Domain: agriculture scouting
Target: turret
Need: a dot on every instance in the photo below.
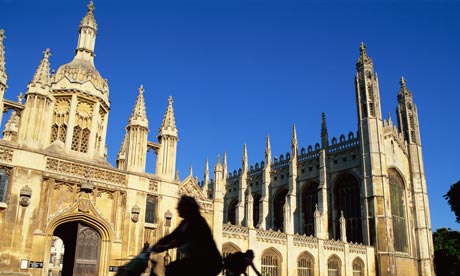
(136, 136)
(80, 115)
(34, 130)
(167, 138)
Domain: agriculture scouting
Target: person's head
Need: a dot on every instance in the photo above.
(249, 254)
(188, 207)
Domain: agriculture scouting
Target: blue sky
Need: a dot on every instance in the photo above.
(239, 70)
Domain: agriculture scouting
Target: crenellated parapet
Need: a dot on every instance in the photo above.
(344, 143)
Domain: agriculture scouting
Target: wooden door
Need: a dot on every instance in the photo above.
(87, 251)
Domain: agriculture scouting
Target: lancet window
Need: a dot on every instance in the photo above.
(256, 208)
(398, 211)
(358, 267)
(81, 130)
(270, 263)
(347, 199)
(333, 266)
(231, 212)
(305, 264)
(309, 200)
(60, 120)
(279, 209)
(4, 181)
(150, 209)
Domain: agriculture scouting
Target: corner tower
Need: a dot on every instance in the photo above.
(81, 98)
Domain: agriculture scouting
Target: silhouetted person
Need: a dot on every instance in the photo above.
(237, 263)
(194, 240)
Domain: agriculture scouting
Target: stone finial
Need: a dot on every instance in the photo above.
(403, 91)
(42, 74)
(363, 59)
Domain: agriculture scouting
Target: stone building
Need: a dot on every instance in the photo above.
(356, 205)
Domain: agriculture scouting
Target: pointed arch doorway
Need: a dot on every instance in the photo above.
(82, 248)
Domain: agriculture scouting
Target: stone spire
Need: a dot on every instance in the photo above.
(245, 159)
(87, 37)
(294, 143)
(139, 115)
(404, 91)
(268, 151)
(206, 177)
(363, 59)
(324, 133)
(3, 75)
(168, 126)
(41, 81)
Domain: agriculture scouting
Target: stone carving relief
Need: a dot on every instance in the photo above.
(24, 196)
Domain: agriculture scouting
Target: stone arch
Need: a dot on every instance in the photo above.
(271, 260)
(229, 248)
(305, 264)
(334, 265)
(279, 202)
(309, 201)
(358, 267)
(347, 198)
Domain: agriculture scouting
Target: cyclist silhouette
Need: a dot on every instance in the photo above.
(194, 240)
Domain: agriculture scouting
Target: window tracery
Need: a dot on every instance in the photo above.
(398, 211)
(305, 264)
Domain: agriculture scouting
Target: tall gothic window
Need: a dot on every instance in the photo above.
(309, 200)
(256, 209)
(231, 212)
(270, 263)
(398, 210)
(83, 124)
(4, 180)
(150, 209)
(279, 209)
(333, 266)
(305, 264)
(347, 199)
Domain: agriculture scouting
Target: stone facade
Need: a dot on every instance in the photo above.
(353, 205)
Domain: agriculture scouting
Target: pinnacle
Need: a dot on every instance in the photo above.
(169, 121)
(404, 91)
(42, 75)
(2, 54)
(363, 59)
(139, 115)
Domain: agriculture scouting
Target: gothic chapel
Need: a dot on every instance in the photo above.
(353, 205)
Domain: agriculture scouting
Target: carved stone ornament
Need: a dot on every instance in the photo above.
(135, 213)
(25, 194)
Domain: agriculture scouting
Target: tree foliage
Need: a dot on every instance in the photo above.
(447, 252)
(453, 198)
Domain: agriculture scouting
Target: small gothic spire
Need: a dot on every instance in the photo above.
(139, 115)
(268, 150)
(42, 75)
(363, 59)
(294, 135)
(225, 159)
(245, 158)
(190, 172)
(168, 125)
(324, 133)
(218, 159)
(2, 58)
(206, 167)
(404, 91)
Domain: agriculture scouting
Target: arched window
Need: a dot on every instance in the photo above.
(278, 205)
(305, 264)
(150, 209)
(347, 199)
(333, 266)
(4, 180)
(229, 248)
(398, 211)
(271, 263)
(358, 267)
(231, 212)
(309, 200)
(256, 209)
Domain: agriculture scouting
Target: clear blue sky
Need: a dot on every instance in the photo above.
(239, 70)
